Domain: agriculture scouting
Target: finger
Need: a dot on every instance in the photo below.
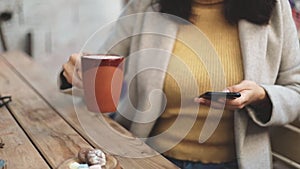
(199, 100)
(238, 87)
(77, 82)
(226, 90)
(237, 103)
(75, 58)
(69, 80)
(203, 101)
(209, 103)
(68, 72)
(74, 66)
(79, 73)
(71, 75)
(221, 104)
(231, 107)
(235, 88)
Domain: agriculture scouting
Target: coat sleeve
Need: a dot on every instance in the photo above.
(285, 94)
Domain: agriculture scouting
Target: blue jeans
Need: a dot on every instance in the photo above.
(198, 165)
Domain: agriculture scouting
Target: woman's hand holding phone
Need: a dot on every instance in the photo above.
(250, 94)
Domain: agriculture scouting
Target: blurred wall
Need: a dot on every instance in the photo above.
(58, 27)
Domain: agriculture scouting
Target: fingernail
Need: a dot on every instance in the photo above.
(226, 90)
(196, 99)
(199, 100)
(202, 101)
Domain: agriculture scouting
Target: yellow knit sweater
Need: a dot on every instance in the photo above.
(220, 147)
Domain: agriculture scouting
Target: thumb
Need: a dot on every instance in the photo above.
(238, 87)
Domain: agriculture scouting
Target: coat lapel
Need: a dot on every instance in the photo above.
(157, 39)
(253, 41)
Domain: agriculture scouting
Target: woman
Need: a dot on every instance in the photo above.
(257, 48)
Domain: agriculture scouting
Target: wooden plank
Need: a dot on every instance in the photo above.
(286, 142)
(296, 123)
(33, 73)
(124, 147)
(54, 138)
(18, 151)
(281, 162)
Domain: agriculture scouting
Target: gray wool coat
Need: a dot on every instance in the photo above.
(270, 55)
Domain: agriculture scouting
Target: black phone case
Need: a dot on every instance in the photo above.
(217, 95)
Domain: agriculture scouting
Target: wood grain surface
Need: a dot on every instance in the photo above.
(18, 151)
(54, 138)
(286, 141)
(125, 147)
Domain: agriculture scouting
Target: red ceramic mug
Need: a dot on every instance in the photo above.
(102, 76)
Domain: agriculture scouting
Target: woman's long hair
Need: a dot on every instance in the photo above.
(255, 11)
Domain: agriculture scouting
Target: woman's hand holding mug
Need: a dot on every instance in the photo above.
(72, 70)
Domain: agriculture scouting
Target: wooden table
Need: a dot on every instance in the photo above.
(40, 127)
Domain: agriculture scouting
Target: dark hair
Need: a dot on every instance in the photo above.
(255, 11)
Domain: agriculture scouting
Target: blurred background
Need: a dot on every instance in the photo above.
(51, 30)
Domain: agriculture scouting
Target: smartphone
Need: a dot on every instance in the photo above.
(217, 95)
